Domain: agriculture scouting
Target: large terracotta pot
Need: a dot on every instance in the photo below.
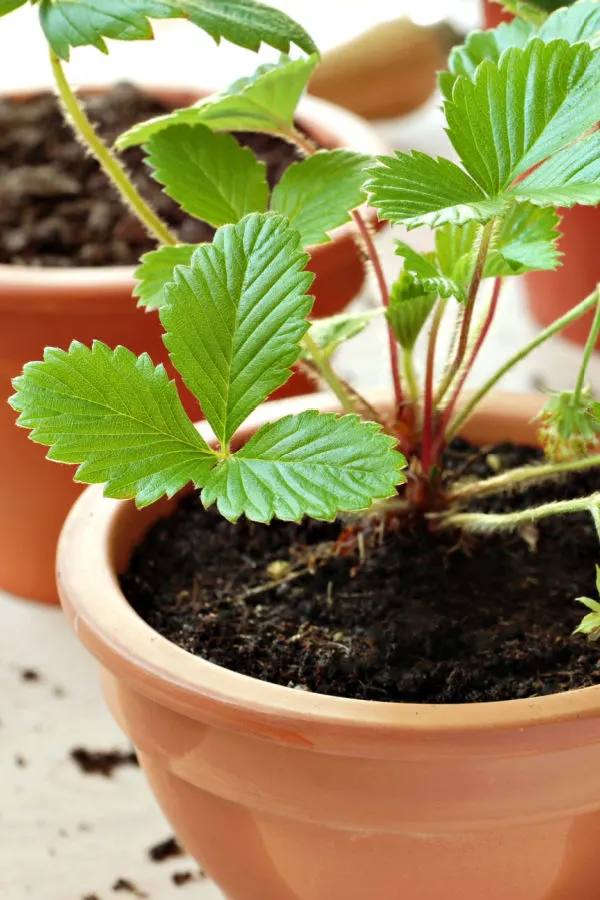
(494, 14)
(288, 795)
(52, 307)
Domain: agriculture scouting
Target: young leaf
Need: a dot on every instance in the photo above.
(266, 101)
(526, 241)
(311, 464)
(569, 177)
(426, 272)
(409, 309)
(521, 110)
(117, 416)
(7, 6)
(210, 175)
(317, 193)
(481, 45)
(236, 315)
(156, 270)
(417, 189)
(247, 23)
(579, 22)
(329, 333)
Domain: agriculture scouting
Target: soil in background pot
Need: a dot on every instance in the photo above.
(426, 618)
(57, 207)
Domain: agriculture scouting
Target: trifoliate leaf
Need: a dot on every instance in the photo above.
(7, 6)
(409, 309)
(247, 23)
(569, 177)
(329, 333)
(416, 189)
(317, 193)
(425, 271)
(117, 416)
(266, 102)
(519, 111)
(526, 241)
(156, 270)
(311, 464)
(236, 315)
(210, 175)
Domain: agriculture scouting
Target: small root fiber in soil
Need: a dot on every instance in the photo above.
(425, 618)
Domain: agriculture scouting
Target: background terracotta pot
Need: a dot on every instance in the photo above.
(289, 795)
(52, 307)
(552, 294)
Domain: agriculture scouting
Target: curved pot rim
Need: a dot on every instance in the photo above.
(130, 648)
(319, 116)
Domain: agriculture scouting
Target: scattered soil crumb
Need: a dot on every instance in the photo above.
(127, 886)
(83, 826)
(90, 897)
(169, 849)
(30, 675)
(63, 833)
(100, 762)
(181, 878)
(20, 762)
(59, 692)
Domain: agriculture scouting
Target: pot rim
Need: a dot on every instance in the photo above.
(317, 115)
(127, 646)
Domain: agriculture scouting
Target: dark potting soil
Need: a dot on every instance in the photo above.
(425, 618)
(57, 207)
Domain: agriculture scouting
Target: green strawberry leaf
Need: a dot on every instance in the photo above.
(317, 193)
(569, 177)
(311, 464)
(265, 102)
(415, 189)
(527, 240)
(409, 309)
(210, 175)
(329, 333)
(8, 6)
(579, 22)
(481, 45)
(426, 273)
(156, 270)
(247, 23)
(117, 416)
(236, 315)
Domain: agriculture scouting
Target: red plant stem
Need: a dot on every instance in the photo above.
(449, 411)
(428, 405)
(385, 299)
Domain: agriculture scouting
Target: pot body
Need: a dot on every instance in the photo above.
(288, 795)
(45, 307)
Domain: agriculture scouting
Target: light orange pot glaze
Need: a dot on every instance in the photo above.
(52, 307)
(289, 795)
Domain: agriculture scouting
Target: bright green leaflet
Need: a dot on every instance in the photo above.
(310, 464)
(317, 193)
(265, 102)
(76, 23)
(156, 269)
(526, 241)
(427, 272)
(409, 310)
(8, 6)
(210, 175)
(235, 317)
(571, 176)
(117, 416)
(333, 331)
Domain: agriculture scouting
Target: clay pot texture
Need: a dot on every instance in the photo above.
(41, 307)
(289, 795)
(552, 294)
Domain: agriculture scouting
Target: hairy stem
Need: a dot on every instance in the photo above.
(463, 338)
(587, 353)
(374, 257)
(516, 478)
(108, 161)
(308, 147)
(410, 374)
(327, 374)
(595, 512)
(541, 338)
(428, 404)
(490, 522)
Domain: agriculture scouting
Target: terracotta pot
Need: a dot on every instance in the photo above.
(494, 14)
(52, 307)
(289, 795)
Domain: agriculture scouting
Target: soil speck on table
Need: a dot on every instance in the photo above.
(124, 885)
(30, 675)
(179, 879)
(169, 849)
(20, 762)
(102, 762)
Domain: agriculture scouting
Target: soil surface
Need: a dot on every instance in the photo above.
(425, 618)
(57, 207)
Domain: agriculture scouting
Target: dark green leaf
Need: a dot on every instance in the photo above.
(76, 23)
(265, 102)
(156, 270)
(317, 193)
(117, 416)
(311, 464)
(210, 175)
(235, 317)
